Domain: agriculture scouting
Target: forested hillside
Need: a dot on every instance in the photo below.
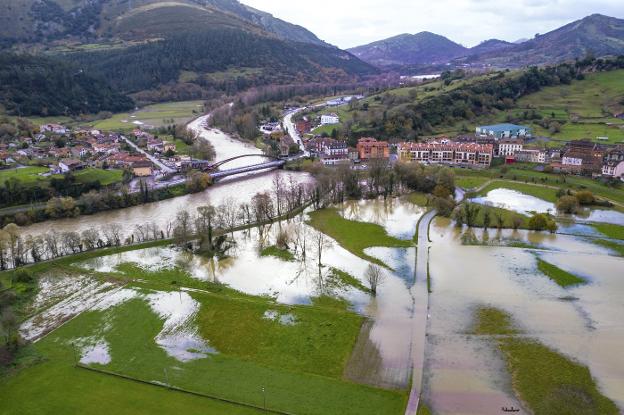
(36, 85)
(147, 66)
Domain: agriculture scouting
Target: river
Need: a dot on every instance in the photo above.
(237, 189)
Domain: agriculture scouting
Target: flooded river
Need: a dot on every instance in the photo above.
(236, 189)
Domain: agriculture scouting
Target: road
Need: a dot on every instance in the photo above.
(420, 312)
(165, 169)
(292, 130)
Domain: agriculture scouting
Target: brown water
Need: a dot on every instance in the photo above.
(464, 374)
(234, 190)
(296, 282)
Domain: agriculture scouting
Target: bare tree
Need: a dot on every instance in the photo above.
(262, 207)
(90, 238)
(140, 231)
(375, 277)
(71, 242)
(112, 233)
(52, 244)
(228, 212)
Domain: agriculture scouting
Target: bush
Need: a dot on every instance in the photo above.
(24, 277)
(585, 197)
(568, 204)
(542, 222)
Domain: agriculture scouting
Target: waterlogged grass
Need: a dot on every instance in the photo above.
(418, 199)
(561, 277)
(545, 380)
(343, 278)
(610, 230)
(618, 248)
(423, 410)
(354, 236)
(506, 215)
(276, 252)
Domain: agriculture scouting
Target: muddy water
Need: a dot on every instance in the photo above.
(235, 189)
(464, 374)
(526, 205)
(298, 281)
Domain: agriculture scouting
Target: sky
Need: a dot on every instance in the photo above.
(349, 23)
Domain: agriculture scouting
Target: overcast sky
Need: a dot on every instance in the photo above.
(348, 23)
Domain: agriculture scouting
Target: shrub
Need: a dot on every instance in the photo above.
(542, 222)
(568, 204)
(585, 197)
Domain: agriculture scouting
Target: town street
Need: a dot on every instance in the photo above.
(155, 160)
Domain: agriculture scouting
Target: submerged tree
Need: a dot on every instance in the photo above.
(375, 277)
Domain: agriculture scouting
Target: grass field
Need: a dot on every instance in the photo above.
(298, 361)
(106, 177)
(354, 236)
(561, 277)
(470, 182)
(274, 251)
(156, 115)
(506, 215)
(610, 230)
(618, 248)
(26, 175)
(545, 380)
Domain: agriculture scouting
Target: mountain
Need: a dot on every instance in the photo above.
(597, 35)
(406, 49)
(47, 20)
(489, 46)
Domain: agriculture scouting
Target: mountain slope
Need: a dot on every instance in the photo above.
(596, 34)
(489, 46)
(406, 49)
(47, 20)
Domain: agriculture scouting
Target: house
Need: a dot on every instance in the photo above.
(509, 146)
(333, 160)
(583, 157)
(286, 143)
(79, 151)
(330, 119)
(530, 156)
(613, 165)
(353, 154)
(155, 144)
(142, 168)
(303, 126)
(169, 146)
(500, 131)
(370, 148)
(447, 153)
(53, 128)
(67, 165)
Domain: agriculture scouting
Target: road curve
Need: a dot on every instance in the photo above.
(420, 312)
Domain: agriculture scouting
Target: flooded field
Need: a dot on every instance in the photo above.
(526, 205)
(464, 374)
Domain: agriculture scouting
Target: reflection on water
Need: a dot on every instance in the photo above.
(525, 204)
(516, 201)
(464, 374)
(297, 282)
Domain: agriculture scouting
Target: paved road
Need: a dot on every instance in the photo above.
(291, 130)
(164, 168)
(420, 312)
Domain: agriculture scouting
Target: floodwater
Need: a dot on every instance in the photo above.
(464, 374)
(526, 205)
(298, 281)
(233, 190)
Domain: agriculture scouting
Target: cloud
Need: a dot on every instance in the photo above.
(348, 23)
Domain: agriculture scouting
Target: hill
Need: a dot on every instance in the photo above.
(36, 85)
(406, 49)
(37, 21)
(490, 45)
(595, 35)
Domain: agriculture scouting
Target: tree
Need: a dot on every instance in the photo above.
(542, 222)
(470, 211)
(585, 197)
(516, 221)
(182, 227)
(486, 218)
(568, 204)
(375, 277)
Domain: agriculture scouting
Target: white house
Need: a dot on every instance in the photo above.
(330, 119)
(53, 128)
(508, 147)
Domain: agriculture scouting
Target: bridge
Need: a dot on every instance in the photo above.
(214, 168)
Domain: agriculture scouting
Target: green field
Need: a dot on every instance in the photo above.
(610, 230)
(106, 177)
(583, 109)
(470, 182)
(545, 380)
(354, 236)
(561, 277)
(299, 364)
(156, 115)
(26, 175)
